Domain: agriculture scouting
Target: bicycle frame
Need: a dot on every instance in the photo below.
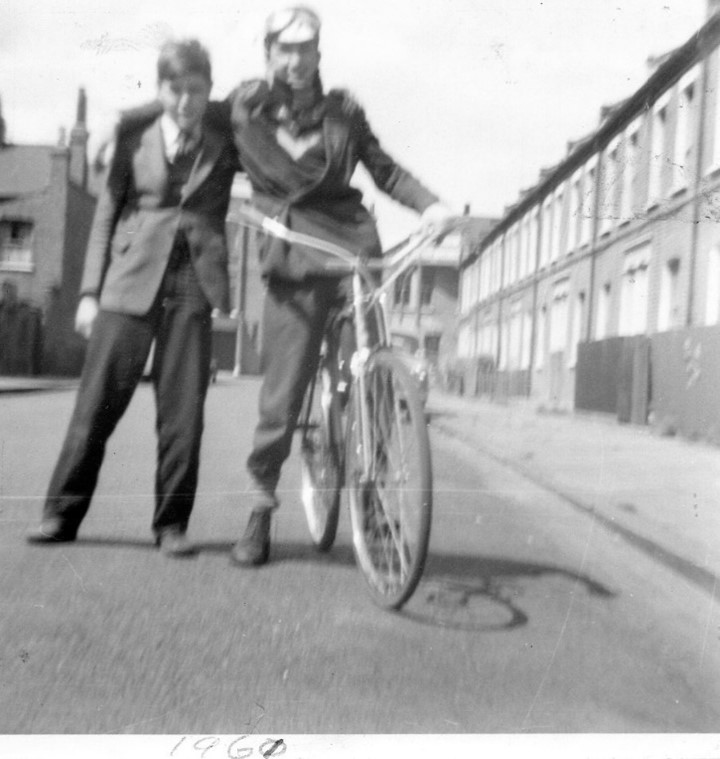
(367, 295)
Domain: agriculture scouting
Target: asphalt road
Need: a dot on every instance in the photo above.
(531, 616)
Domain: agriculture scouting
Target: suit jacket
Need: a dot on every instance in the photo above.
(134, 227)
(325, 205)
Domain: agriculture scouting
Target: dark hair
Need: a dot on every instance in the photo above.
(178, 58)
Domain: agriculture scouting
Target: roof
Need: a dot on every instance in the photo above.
(670, 67)
(24, 169)
(478, 226)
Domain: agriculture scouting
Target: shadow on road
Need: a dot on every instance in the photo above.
(481, 593)
(462, 592)
(281, 551)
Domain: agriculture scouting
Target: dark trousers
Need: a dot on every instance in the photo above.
(118, 349)
(294, 320)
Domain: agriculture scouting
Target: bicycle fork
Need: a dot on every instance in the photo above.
(357, 367)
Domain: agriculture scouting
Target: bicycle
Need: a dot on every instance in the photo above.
(362, 425)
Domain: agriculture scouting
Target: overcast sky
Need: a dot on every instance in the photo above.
(474, 96)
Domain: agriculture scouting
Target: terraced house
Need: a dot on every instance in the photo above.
(600, 288)
(46, 208)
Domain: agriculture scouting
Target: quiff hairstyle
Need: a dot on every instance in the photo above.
(182, 57)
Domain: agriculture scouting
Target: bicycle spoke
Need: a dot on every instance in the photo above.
(394, 496)
(320, 461)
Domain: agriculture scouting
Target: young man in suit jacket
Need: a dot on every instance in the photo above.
(156, 266)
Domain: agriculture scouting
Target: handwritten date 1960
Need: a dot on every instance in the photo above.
(236, 748)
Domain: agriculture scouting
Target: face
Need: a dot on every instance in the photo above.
(294, 63)
(184, 99)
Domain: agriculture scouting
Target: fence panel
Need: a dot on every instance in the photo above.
(685, 382)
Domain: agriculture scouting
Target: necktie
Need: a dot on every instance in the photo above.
(185, 144)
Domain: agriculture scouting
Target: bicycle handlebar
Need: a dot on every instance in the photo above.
(253, 218)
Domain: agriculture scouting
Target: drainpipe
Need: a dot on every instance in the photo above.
(536, 286)
(697, 182)
(593, 239)
(498, 352)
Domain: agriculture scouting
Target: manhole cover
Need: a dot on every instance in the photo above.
(463, 606)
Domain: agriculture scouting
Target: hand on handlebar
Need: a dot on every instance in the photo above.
(436, 217)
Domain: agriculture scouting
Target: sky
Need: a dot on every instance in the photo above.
(473, 96)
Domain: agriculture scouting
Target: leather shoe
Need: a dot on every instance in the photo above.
(174, 543)
(253, 549)
(52, 531)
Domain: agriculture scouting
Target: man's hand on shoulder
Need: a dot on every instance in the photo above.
(347, 102)
(250, 94)
(246, 99)
(121, 121)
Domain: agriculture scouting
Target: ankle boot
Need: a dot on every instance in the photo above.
(253, 549)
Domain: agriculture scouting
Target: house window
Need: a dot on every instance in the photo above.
(504, 343)
(630, 173)
(575, 213)
(506, 252)
(588, 210)
(610, 184)
(603, 312)
(559, 316)
(524, 228)
(669, 313)
(463, 290)
(558, 218)
(541, 338)
(489, 343)
(497, 264)
(658, 156)
(474, 282)
(683, 152)
(634, 293)
(402, 289)
(514, 356)
(526, 339)
(427, 285)
(512, 255)
(464, 341)
(533, 240)
(16, 245)
(547, 211)
(577, 327)
(712, 302)
(484, 274)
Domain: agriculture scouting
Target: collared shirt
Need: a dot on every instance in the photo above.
(171, 136)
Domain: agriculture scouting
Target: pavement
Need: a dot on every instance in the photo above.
(660, 494)
(35, 384)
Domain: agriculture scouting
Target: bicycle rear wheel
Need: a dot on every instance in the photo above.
(321, 466)
(391, 498)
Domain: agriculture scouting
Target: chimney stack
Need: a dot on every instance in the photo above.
(78, 143)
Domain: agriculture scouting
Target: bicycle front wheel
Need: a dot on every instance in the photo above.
(320, 461)
(389, 480)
